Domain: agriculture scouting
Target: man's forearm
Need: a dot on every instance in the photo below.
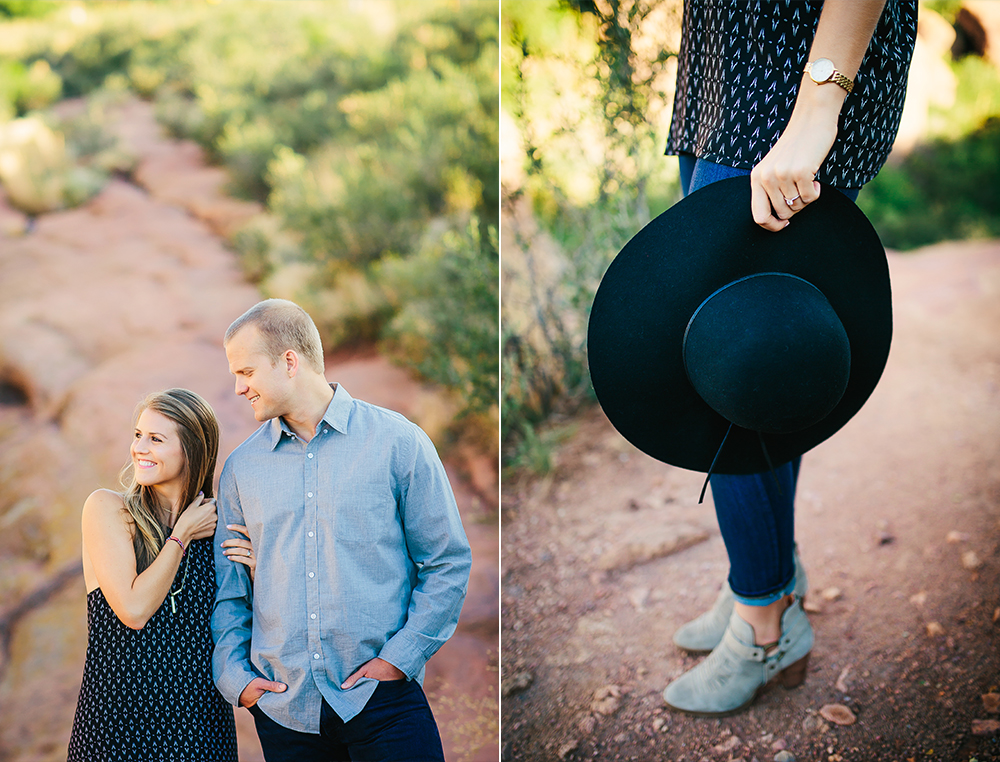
(232, 626)
(435, 605)
(232, 615)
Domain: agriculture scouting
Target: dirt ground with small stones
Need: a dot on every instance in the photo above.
(897, 526)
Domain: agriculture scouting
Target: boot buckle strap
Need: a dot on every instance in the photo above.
(741, 649)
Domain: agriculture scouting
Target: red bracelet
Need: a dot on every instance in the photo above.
(183, 550)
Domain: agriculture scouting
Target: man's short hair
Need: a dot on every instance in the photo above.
(282, 325)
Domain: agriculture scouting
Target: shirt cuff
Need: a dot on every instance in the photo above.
(232, 684)
(402, 652)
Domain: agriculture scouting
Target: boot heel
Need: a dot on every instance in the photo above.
(794, 675)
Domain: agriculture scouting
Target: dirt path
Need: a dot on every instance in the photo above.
(98, 306)
(897, 524)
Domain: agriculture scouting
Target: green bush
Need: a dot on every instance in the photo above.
(26, 8)
(446, 312)
(367, 144)
(944, 190)
(87, 63)
(27, 87)
(570, 70)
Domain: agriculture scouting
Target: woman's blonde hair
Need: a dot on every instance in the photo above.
(198, 430)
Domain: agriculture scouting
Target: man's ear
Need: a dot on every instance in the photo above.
(291, 360)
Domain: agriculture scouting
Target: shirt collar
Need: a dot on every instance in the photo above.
(337, 415)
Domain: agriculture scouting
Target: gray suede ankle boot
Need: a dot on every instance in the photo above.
(701, 635)
(729, 679)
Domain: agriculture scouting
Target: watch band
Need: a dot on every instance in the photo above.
(845, 82)
(835, 76)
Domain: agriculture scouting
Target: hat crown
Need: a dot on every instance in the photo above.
(768, 353)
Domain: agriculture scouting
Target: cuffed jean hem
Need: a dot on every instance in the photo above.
(764, 600)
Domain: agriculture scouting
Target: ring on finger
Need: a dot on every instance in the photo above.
(791, 200)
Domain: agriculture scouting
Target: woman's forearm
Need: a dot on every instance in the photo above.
(785, 176)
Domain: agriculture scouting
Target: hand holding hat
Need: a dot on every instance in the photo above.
(707, 329)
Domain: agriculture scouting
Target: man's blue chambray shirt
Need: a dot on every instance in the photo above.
(361, 553)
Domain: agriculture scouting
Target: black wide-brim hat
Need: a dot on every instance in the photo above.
(707, 329)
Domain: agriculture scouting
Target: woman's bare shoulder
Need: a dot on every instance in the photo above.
(103, 503)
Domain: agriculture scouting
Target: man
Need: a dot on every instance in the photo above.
(363, 562)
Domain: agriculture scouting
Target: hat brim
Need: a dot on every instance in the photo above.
(661, 276)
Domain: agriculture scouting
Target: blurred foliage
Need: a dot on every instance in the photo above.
(446, 311)
(369, 132)
(26, 8)
(946, 188)
(27, 88)
(586, 85)
(50, 162)
(946, 8)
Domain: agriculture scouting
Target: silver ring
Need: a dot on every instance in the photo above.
(791, 200)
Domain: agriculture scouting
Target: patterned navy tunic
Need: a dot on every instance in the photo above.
(148, 694)
(739, 70)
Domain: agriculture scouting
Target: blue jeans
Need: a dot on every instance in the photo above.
(756, 512)
(396, 724)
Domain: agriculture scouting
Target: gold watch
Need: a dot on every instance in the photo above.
(821, 71)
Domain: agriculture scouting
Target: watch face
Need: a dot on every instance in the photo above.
(821, 70)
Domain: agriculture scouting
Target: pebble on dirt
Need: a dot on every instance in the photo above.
(838, 714)
(991, 702)
(728, 745)
(882, 535)
(985, 727)
(814, 724)
(519, 681)
(784, 756)
(606, 700)
(843, 684)
(811, 606)
(566, 749)
(934, 629)
(971, 561)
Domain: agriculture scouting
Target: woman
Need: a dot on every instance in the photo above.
(148, 566)
(790, 93)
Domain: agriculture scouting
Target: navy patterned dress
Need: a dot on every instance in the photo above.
(738, 73)
(148, 694)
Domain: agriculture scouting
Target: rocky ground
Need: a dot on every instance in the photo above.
(897, 525)
(99, 305)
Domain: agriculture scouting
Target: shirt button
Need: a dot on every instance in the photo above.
(312, 616)
(309, 456)
(310, 534)
(315, 656)
(312, 574)
(309, 494)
